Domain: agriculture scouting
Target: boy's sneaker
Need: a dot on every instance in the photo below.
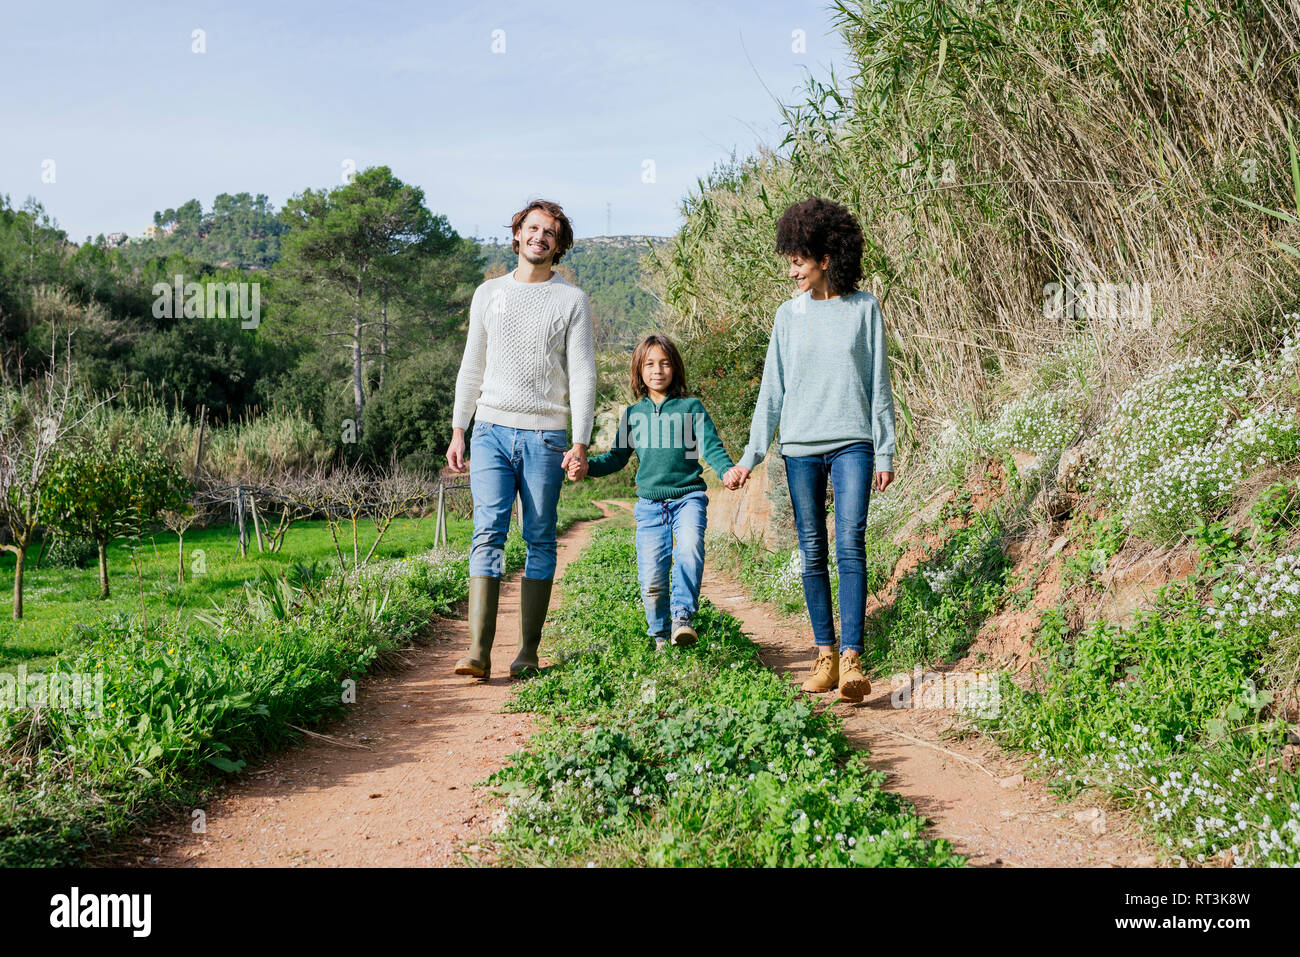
(661, 644)
(854, 685)
(683, 633)
(825, 674)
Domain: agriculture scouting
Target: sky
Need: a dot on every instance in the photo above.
(109, 112)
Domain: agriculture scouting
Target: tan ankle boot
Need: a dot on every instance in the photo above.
(825, 674)
(534, 599)
(854, 685)
(483, 595)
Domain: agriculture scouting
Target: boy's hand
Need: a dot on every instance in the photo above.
(883, 479)
(575, 473)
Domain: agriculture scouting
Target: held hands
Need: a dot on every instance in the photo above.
(575, 463)
(735, 477)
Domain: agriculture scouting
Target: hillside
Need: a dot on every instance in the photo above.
(244, 232)
(1093, 334)
(240, 230)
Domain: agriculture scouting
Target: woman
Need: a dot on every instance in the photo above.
(826, 384)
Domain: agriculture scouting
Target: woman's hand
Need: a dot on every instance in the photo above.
(883, 479)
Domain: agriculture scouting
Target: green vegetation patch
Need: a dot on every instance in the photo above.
(692, 757)
(1170, 714)
(186, 701)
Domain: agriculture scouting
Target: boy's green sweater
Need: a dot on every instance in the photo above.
(669, 439)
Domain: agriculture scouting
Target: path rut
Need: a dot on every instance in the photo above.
(957, 784)
(398, 790)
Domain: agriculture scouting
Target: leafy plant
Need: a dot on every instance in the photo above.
(698, 758)
(103, 493)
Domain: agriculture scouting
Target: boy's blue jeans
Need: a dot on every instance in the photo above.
(670, 535)
(850, 471)
(505, 463)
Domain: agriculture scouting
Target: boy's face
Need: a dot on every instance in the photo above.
(807, 273)
(657, 370)
(537, 236)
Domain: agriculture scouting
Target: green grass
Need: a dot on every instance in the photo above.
(1171, 713)
(939, 606)
(775, 575)
(186, 702)
(619, 485)
(694, 757)
(59, 601)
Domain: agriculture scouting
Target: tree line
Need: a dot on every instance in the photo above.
(362, 309)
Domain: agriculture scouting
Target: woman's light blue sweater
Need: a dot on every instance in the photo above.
(825, 380)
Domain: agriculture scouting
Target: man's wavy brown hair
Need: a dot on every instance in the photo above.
(637, 384)
(818, 227)
(564, 239)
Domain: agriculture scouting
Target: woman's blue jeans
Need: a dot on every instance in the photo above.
(850, 472)
(670, 535)
(505, 463)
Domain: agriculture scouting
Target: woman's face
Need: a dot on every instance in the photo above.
(807, 273)
(656, 370)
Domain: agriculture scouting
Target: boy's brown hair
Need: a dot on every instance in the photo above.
(637, 384)
(564, 236)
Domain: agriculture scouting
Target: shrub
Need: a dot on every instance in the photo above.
(1185, 436)
(71, 551)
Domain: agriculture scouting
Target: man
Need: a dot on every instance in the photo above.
(529, 365)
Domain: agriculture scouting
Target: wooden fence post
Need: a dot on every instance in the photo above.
(239, 517)
(257, 528)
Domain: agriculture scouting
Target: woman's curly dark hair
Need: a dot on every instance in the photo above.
(818, 227)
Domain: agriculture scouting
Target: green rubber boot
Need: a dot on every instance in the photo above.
(534, 599)
(483, 594)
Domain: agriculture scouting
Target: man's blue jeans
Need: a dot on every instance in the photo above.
(505, 463)
(670, 535)
(850, 471)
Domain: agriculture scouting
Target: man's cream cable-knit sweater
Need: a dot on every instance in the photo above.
(530, 358)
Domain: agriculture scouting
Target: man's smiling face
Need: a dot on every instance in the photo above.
(537, 236)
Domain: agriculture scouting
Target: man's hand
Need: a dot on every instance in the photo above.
(575, 462)
(735, 477)
(456, 451)
(883, 479)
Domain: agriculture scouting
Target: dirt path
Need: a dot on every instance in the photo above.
(956, 784)
(407, 799)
